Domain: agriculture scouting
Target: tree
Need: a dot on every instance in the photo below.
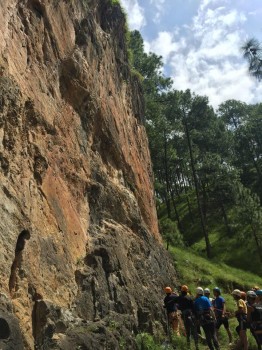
(233, 113)
(250, 214)
(252, 52)
(201, 158)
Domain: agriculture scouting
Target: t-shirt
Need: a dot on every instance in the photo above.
(202, 304)
(170, 302)
(185, 302)
(218, 304)
(242, 305)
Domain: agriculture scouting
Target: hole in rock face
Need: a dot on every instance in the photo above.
(4, 329)
(20, 244)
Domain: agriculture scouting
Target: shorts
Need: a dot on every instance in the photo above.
(222, 321)
(242, 326)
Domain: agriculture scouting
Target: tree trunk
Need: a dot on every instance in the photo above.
(187, 199)
(176, 212)
(168, 206)
(203, 225)
(167, 177)
(224, 214)
(259, 250)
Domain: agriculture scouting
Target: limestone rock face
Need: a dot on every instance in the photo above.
(81, 260)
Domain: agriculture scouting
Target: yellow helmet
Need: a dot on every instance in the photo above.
(184, 288)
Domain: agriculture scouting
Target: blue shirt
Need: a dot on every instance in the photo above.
(218, 304)
(202, 304)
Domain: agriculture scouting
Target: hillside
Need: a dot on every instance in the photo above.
(229, 249)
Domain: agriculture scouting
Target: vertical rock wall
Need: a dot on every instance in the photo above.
(81, 259)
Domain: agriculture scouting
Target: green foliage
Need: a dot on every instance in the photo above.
(146, 341)
(170, 232)
(252, 52)
(122, 343)
(201, 159)
(115, 2)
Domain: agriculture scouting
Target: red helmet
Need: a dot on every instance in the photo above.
(243, 295)
(168, 290)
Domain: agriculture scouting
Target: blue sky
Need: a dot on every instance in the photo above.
(200, 43)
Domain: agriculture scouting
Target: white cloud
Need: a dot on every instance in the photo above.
(135, 14)
(164, 45)
(159, 5)
(205, 56)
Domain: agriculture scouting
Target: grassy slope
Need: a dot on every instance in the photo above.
(195, 270)
(233, 250)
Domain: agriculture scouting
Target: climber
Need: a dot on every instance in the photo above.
(205, 317)
(220, 312)
(254, 317)
(186, 306)
(243, 296)
(259, 297)
(207, 294)
(171, 309)
(241, 315)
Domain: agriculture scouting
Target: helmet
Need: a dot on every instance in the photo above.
(216, 289)
(259, 292)
(255, 288)
(184, 288)
(199, 291)
(243, 295)
(251, 294)
(206, 291)
(168, 290)
(236, 292)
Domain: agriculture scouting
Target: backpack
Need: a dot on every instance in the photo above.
(256, 315)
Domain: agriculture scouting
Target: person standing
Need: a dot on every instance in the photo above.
(203, 310)
(170, 305)
(220, 312)
(207, 294)
(254, 317)
(241, 315)
(186, 306)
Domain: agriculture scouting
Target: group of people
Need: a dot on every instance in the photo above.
(190, 314)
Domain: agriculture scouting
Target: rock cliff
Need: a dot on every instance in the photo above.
(81, 260)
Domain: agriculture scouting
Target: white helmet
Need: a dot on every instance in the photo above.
(251, 294)
(237, 292)
(199, 291)
(206, 291)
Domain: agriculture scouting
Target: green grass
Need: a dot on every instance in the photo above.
(237, 249)
(194, 270)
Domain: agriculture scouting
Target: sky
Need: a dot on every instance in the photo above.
(200, 43)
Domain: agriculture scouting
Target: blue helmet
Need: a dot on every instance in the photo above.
(216, 289)
(259, 292)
